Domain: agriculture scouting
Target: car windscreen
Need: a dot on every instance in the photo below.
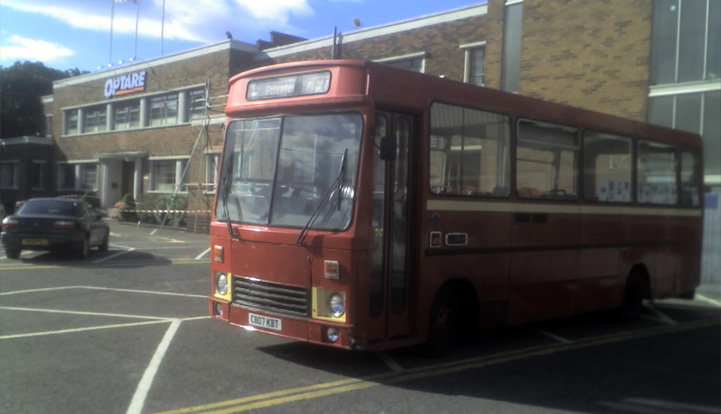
(49, 208)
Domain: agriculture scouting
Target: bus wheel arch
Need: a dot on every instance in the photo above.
(454, 312)
(636, 289)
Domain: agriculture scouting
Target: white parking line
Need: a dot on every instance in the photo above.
(114, 255)
(69, 312)
(198, 257)
(392, 364)
(91, 328)
(150, 292)
(141, 393)
(708, 300)
(554, 337)
(658, 315)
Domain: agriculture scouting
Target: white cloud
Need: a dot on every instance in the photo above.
(19, 48)
(190, 20)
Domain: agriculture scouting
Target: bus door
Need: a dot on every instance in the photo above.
(390, 284)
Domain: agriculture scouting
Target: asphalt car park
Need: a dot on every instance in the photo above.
(127, 331)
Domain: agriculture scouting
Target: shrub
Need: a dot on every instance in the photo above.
(125, 208)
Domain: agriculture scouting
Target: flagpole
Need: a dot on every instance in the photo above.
(162, 29)
(112, 14)
(137, 17)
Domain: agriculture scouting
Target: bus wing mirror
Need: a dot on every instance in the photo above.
(388, 148)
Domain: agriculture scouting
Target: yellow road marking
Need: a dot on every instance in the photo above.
(338, 387)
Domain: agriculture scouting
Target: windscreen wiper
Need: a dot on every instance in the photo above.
(226, 187)
(326, 197)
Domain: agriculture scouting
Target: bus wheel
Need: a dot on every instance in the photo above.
(444, 324)
(630, 309)
(12, 253)
(688, 295)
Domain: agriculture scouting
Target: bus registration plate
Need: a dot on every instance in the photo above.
(264, 322)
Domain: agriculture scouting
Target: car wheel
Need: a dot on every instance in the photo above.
(12, 253)
(104, 245)
(84, 248)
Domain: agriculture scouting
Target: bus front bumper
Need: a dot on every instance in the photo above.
(305, 329)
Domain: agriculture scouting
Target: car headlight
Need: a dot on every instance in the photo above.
(221, 284)
(336, 305)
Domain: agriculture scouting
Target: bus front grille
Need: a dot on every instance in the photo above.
(271, 297)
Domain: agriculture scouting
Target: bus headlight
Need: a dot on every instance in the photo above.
(221, 284)
(336, 305)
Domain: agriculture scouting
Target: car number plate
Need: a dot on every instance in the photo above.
(35, 242)
(264, 322)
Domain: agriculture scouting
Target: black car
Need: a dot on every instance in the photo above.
(55, 224)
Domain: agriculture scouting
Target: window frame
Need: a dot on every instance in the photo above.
(577, 150)
(180, 165)
(162, 103)
(505, 175)
(638, 169)
(14, 182)
(469, 66)
(613, 136)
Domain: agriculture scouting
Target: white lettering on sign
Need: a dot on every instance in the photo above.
(134, 82)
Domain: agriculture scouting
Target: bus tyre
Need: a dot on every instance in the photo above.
(12, 253)
(688, 295)
(630, 309)
(444, 326)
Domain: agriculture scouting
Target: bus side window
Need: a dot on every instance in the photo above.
(546, 161)
(607, 161)
(690, 178)
(656, 173)
(469, 152)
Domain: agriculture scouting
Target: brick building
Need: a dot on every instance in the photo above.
(648, 60)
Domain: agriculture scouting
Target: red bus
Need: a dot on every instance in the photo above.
(362, 206)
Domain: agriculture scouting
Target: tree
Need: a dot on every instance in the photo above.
(21, 87)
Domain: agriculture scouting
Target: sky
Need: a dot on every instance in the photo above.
(76, 34)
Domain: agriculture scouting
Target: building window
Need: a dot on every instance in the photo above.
(78, 176)
(511, 63)
(211, 171)
(415, 62)
(95, 119)
(88, 174)
(474, 66)
(38, 175)
(165, 174)
(127, 115)
(164, 110)
(693, 112)
(196, 104)
(48, 125)
(66, 176)
(71, 122)
(685, 41)
(9, 175)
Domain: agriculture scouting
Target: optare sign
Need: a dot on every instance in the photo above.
(124, 84)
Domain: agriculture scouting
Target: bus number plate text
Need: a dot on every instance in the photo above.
(264, 322)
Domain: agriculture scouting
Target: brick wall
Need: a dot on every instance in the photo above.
(590, 54)
(440, 43)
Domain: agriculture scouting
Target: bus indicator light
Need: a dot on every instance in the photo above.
(218, 254)
(331, 269)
